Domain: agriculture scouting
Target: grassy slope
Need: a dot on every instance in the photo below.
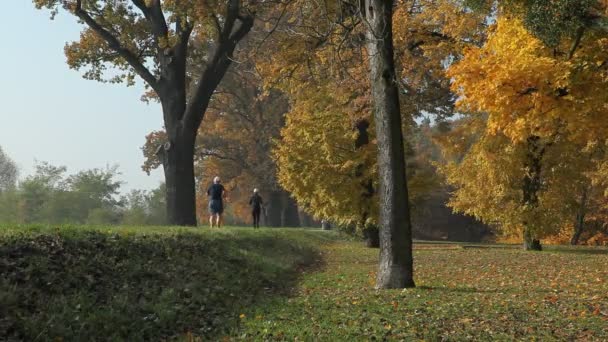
(146, 283)
(462, 294)
(134, 284)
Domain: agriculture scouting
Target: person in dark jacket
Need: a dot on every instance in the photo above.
(256, 204)
(216, 194)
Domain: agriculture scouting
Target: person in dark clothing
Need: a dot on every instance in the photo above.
(256, 204)
(216, 194)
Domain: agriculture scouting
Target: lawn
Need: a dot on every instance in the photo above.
(134, 284)
(462, 294)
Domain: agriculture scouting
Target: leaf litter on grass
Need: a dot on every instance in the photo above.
(462, 294)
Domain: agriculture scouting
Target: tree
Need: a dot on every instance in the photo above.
(93, 196)
(246, 120)
(326, 155)
(8, 172)
(336, 49)
(37, 190)
(8, 193)
(160, 41)
(235, 142)
(88, 196)
(396, 269)
(327, 159)
(9, 206)
(533, 109)
(144, 207)
(554, 21)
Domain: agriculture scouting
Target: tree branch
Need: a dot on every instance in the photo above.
(115, 45)
(154, 14)
(576, 42)
(231, 16)
(216, 69)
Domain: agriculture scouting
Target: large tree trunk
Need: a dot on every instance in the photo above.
(576, 236)
(579, 224)
(531, 186)
(530, 243)
(289, 214)
(396, 263)
(274, 208)
(178, 164)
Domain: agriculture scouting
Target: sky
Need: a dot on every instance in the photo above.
(50, 113)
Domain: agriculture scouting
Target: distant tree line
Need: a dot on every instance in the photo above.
(51, 195)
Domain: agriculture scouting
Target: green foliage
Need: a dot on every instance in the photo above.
(50, 196)
(133, 284)
(9, 206)
(8, 172)
(482, 294)
(145, 207)
(89, 196)
(553, 20)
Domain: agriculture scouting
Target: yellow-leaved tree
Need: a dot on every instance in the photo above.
(534, 116)
(326, 156)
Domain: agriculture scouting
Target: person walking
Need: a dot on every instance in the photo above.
(256, 204)
(216, 194)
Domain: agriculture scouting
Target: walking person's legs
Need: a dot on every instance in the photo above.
(219, 221)
(256, 218)
(215, 211)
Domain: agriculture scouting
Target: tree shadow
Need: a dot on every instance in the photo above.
(468, 289)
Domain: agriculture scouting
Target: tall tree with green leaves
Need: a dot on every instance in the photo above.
(160, 41)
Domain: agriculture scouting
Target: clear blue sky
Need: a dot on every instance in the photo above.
(50, 113)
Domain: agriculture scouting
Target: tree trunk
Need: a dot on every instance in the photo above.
(578, 230)
(274, 208)
(579, 224)
(530, 243)
(178, 163)
(396, 263)
(289, 214)
(371, 236)
(531, 186)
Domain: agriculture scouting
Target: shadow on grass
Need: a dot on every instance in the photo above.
(468, 289)
(98, 286)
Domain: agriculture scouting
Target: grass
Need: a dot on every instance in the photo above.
(95, 283)
(462, 294)
(135, 283)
